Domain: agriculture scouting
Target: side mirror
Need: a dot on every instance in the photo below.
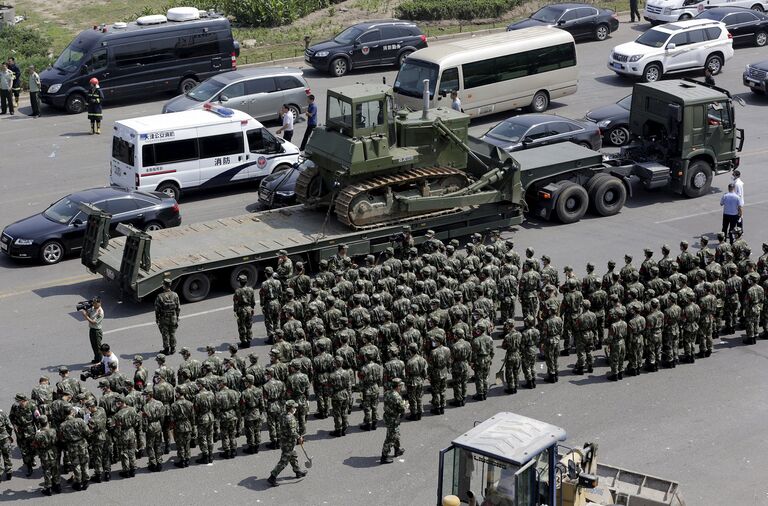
(572, 472)
(527, 139)
(223, 98)
(561, 22)
(671, 46)
(77, 222)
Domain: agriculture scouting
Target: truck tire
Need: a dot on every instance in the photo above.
(652, 73)
(714, 63)
(75, 103)
(169, 189)
(572, 202)
(608, 196)
(195, 287)
(592, 184)
(251, 272)
(187, 84)
(699, 179)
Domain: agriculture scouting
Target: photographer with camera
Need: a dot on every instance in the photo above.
(94, 315)
(104, 367)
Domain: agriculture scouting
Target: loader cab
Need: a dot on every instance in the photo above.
(507, 460)
(360, 111)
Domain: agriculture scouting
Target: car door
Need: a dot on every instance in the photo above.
(264, 147)
(698, 47)
(264, 98)
(73, 236)
(585, 22)
(292, 91)
(741, 25)
(536, 136)
(677, 53)
(123, 210)
(234, 97)
(368, 49)
(561, 131)
(97, 66)
(568, 23)
(392, 38)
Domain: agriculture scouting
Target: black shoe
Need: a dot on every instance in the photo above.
(442, 410)
(202, 460)
(621, 375)
(454, 402)
(192, 444)
(274, 445)
(533, 382)
(233, 453)
(179, 463)
(578, 371)
(132, 473)
(77, 486)
(96, 478)
(172, 351)
(412, 417)
(343, 432)
(301, 474)
(565, 353)
(84, 485)
(123, 474)
(107, 476)
(399, 451)
(248, 451)
(8, 476)
(167, 449)
(186, 462)
(319, 415)
(435, 411)
(272, 480)
(47, 491)
(590, 369)
(29, 470)
(557, 378)
(477, 397)
(418, 417)
(224, 454)
(365, 427)
(335, 433)
(243, 345)
(529, 384)
(550, 378)
(386, 459)
(373, 425)
(707, 353)
(508, 390)
(56, 488)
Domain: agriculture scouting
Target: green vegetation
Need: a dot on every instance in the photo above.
(432, 10)
(27, 45)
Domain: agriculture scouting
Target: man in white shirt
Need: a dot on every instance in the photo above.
(107, 357)
(287, 128)
(455, 101)
(739, 186)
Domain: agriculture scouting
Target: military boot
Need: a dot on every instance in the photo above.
(179, 463)
(84, 485)
(56, 488)
(590, 369)
(529, 384)
(167, 448)
(8, 476)
(47, 491)
(77, 486)
(365, 427)
(373, 425)
(272, 480)
(335, 433)
(343, 431)
(399, 451)
(533, 382)
(96, 478)
(107, 476)
(386, 459)
(578, 371)
(29, 470)
(301, 474)
(621, 375)
(203, 459)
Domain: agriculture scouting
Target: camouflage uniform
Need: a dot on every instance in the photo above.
(98, 447)
(322, 366)
(635, 333)
(690, 327)
(297, 388)
(6, 435)
(654, 332)
(289, 436)
(252, 401)
(167, 309)
(733, 288)
(617, 333)
(125, 422)
(415, 374)
(227, 403)
(269, 299)
(529, 287)
(439, 360)
(182, 415)
(154, 414)
(338, 382)
(708, 305)
(529, 344)
(274, 392)
(244, 302)
(205, 411)
(394, 407)
(44, 443)
(22, 416)
(551, 331)
(371, 375)
(74, 433)
(671, 335)
(753, 307)
(586, 328)
(512, 357)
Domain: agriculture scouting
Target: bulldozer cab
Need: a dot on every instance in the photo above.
(361, 110)
(507, 460)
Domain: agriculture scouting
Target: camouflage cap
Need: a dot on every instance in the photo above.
(274, 351)
(184, 350)
(611, 263)
(648, 251)
(242, 278)
(269, 271)
(160, 357)
(290, 403)
(20, 397)
(119, 398)
(253, 356)
(430, 233)
(90, 403)
(545, 258)
(42, 420)
(232, 347)
(210, 347)
(282, 253)
(138, 359)
(590, 265)
(227, 360)
(249, 378)
(105, 383)
(63, 369)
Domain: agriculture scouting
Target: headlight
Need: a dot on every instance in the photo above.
(23, 242)
(635, 57)
(321, 54)
(54, 88)
(667, 11)
(604, 123)
(285, 194)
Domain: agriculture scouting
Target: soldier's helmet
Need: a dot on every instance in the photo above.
(628, 257)
(434, 302)
(673, 297)
(590, 267)
(249, 379)
(439, 338)
(573, 284)
(338, 361)
(288, 311)
(545, 259)
(586, 304)
(42, 420)
(291, 404)
(160, 357)
(63, 369)
(242, 279)
(737, 231)
(268, 271)
(683, 244)
(655, 303)
(457, 334)
(413, 347)
(166, 282)
(529, 251)
(665, 249)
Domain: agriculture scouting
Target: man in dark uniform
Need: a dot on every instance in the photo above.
(16, 87)
(94, 98)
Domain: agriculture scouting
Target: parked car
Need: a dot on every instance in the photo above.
(745, 25)
(613, 121)
(531, 130)
(668, 11)
(368, 44)
(756, 77)
(279, 188)
(674, 47)
(59, 230)
(581, 20)
(258, 92)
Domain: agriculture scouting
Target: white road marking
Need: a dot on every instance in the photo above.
(704, 213)
(147, 324)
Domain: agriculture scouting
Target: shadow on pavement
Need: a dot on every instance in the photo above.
(362, 462)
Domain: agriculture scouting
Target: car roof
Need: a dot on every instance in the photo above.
(536, 119)
(570, 6)
(365, 25)
(104, 193)
(725, 10)
(185, 119)
(686, 24)
(249, 73)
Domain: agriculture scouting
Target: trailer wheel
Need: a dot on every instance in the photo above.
(248, 270)
(592, 184)
(571, 203)
(699, 179)
(609, 196)
(195, 287)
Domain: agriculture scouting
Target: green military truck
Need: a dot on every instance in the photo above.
(371, 171)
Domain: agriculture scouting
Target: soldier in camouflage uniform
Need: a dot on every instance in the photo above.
(338, 382)
(551, 330)
(733, 288)
(98, 448)
(634, 341)
(125, 422)
(617, 333)
(205, 411)
(753, 307)
(244, 303)
(167, 309)
(570, 310)
(654, 332)
(512, 358)
(529, 344)
(394, 408)
(371, 375)
(269, 298)
(297, 388)
(153, 415)
(140, 375)
(690, 326)
(42, 395)
(274, 397)
(289, 438)
(439, 361)
(586, 328)
(22, 416)
(227, 404)
(529, 287)
(44, 444)
(6, 438)
(74, 433)
(671, 335)
(252, 402)
(322, 366)
(708, 306)
(182, 414)
(415, 374)
(163, 392)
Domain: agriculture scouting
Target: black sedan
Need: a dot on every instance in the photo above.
(581, 20)
(278, 188)
(531, 130)
(60, 229)
(745, 25)
(613, 121)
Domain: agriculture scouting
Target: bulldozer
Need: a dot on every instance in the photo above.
(372, 165)
(514, 460)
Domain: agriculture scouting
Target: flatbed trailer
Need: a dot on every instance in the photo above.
(195, 255)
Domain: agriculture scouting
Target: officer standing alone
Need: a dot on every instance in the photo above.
(167, 309)
(244, 303)
(94, 98)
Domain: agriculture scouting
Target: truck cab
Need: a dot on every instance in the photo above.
(688, 126)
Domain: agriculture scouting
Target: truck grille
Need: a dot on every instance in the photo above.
(6, 239)
(757, 73)
(619, 57)
(653, 9)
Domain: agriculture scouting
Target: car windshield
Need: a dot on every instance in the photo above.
(62, 211)
(205, 90)
(625, 103)
(348, 35)
(508, 131)
(70, 58)
(547, 14)
(653, 38)
(409, 80)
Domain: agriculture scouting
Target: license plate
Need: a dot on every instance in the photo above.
(617, 65)
(3, 246)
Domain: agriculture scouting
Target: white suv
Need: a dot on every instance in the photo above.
(666, 11)
(674, 47)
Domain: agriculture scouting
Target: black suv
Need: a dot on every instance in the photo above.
(368, 44)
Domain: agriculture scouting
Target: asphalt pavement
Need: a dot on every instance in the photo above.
(702, 425)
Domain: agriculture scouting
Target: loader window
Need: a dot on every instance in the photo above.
(369, 114)
(718, 114)
(493, 482)
(339, 112)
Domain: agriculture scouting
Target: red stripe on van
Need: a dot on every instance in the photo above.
(158, 172)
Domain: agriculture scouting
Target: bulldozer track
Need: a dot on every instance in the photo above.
(302, 184)
(346, 196)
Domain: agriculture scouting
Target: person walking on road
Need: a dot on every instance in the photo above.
(95, 97)
(287, 128)
(738, 187)
(311, 121)
(633, 11)
(732, 210)
(34, 91)
(6, 85)
(289, 438)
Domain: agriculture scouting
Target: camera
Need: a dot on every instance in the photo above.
(95, 371)
(84, 304)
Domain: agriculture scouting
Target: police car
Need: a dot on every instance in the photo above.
(199, 149)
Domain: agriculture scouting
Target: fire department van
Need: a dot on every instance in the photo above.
(199, 149)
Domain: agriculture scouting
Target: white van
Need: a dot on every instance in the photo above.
(198, 149)
(500, 72)
(667, 11)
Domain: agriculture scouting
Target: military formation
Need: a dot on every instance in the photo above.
(416, 321)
